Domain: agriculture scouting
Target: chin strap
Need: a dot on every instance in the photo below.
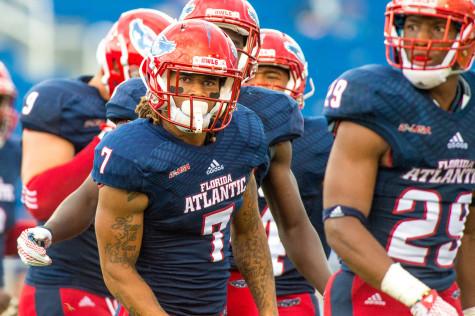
(309, 94)
(182, 115)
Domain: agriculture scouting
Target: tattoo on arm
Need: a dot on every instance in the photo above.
(132, 311)
(123, 249)
(252, 254)
(132, 195)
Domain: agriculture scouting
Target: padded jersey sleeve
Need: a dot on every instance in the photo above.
(115, 165)
(278, 112)
(360, 96)
(42, 107)
(251, 130)
(125, 99)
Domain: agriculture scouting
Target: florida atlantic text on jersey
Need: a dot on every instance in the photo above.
(421, 201)
(193, 193)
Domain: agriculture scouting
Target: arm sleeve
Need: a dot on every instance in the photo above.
(45, 191)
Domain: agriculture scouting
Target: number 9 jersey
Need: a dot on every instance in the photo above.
(421, 197)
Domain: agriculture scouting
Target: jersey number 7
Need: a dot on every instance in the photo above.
(214, 224)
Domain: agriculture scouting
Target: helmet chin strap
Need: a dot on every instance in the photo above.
(427, 79)
(182, 115)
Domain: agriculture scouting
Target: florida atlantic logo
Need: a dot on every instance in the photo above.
(295, 49)
(252, 13)
(141, 36)
(162, 46)
(189, 7)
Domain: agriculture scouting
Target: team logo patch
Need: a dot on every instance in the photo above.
(234, 51)
(179, 171)
(295, 49)
(162, 46)
(141, 36)
(93, 123)
(289, 302)
(223, 13)
(252, 13)
(415, 129)
(189, 7)
(240, 284)
(200, 61)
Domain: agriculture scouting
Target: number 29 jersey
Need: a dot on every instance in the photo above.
(421, 200)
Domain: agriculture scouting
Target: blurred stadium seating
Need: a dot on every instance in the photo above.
(46, 38)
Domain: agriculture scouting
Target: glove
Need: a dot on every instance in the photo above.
(32, 245)
(432, 304)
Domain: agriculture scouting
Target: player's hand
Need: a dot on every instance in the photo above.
(4, 300)
(32, 245)
(469, 311)
(432, 304)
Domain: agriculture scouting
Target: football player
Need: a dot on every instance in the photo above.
(10, 157)
(399, 181)
(61, 119)
(282, 67)
(76, 213)
(282, 122)
(174, 183)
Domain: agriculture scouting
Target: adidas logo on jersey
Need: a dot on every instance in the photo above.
(375, 299)
(214, 167)
(457, 142)
(86, 302)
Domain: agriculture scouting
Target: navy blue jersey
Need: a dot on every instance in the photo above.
(421, 202)
(70, 109)
(125, 99)
(10, 159)
(10, 162)
(73, 110)
(193, 193)
(278, 112)
(309, 159)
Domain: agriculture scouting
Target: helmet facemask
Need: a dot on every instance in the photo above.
(414, 56)
(196, 113)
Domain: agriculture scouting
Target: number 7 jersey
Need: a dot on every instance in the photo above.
(194, 192)
(421, 200)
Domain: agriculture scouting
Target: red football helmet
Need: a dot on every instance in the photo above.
(192, 47)
(127, 43)
(459, 51)
(279, 49)
(235, 15)
(8, 93)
